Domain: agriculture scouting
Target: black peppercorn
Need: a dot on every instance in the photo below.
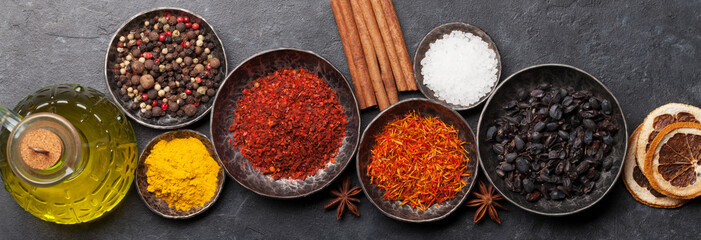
(149, 64)
(190, 110)
(137, 67)
(180, 27)
(152, 37)
(135, 52)
(173, 107)
(156, 111)
(152, 94)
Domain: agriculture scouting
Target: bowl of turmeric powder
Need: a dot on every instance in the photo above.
(179, 175)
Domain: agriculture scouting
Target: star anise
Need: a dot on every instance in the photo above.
(344, 199)
(486, 200)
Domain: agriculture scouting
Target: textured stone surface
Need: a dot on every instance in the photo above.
(645, 51)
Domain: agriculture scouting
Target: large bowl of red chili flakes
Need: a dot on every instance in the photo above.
(277, 96)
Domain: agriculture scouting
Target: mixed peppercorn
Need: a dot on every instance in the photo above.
(167, 66)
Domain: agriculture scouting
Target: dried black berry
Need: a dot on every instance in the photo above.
(552, 142)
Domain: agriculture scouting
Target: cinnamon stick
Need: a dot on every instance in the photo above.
(389, 46)
(357, 55)
(370, 57)
(399, 44)
(380, 52)
(343, 32)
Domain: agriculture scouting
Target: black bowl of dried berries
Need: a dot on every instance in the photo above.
(285, 123)
(552, 139)
(164, 67)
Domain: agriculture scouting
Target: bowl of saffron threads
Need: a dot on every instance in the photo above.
(417, 161)
(178, 175)
(285, 123)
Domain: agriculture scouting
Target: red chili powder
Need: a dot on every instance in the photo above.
(289, 124)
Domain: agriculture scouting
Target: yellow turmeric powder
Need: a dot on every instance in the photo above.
(182, 173)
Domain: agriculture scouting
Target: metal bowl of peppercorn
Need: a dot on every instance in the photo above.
(273, 114)
(552, 139)
(164, 66)
(424, 108)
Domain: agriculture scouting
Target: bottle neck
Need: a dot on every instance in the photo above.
(69, 158)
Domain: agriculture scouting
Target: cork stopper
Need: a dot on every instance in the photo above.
(41, 149)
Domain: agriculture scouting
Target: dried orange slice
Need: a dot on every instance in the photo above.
(673, 163)
(638, 185)
(658, 119)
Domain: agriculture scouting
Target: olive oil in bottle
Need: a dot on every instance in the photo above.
(93, 146)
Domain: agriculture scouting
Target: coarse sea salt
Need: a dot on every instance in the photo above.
(460, 68)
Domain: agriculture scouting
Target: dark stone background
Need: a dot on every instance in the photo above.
(645, 51)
